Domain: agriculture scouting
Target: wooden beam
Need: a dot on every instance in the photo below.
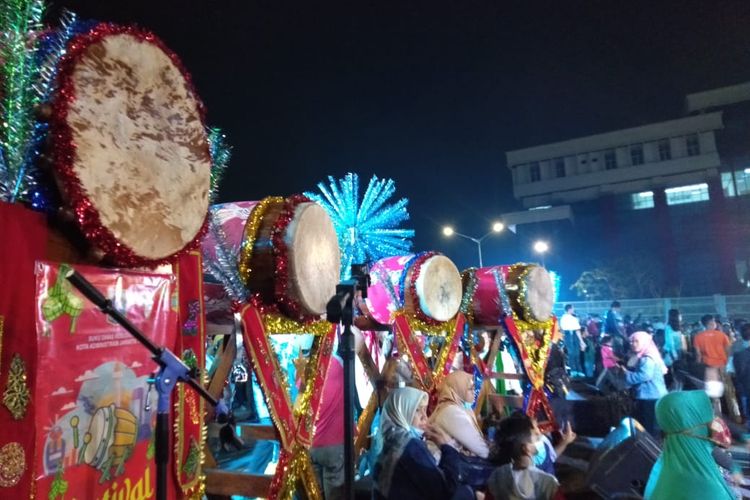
(370, 366)
(226, 483)
(499, 401)
(222, 369)
(506, 376)
(258, 432)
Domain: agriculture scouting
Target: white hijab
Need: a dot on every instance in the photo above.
(400, 406)
(395, 426)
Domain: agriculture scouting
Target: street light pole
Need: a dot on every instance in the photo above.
(541, 247)
(496, 228)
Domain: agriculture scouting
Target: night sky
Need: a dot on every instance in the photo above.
(433, 93)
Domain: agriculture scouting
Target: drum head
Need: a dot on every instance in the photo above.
(439, 288)
(132, 150)
(539, 292)
(314, 257)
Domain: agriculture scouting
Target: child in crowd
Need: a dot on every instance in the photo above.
(516, 444)
(610, 379)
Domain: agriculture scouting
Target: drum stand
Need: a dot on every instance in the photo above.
(171, 371)
(340, 309)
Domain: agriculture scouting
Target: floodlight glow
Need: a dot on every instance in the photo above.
(448, 231)
(498, 227)
(541, 246)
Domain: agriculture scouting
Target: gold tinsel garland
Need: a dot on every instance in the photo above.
(534, 347)
(416, 324)
(252, 225)
(277, 324)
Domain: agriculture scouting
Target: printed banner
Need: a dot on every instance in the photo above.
(95, 414)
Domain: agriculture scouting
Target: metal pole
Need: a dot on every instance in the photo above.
(479, 246)
(347, 340)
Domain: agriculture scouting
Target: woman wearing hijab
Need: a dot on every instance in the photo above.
(645, 373)
(454, 415)
(686, 469)
(405, 467)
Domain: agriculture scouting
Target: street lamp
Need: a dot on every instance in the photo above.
(497, 227)
(541, 247)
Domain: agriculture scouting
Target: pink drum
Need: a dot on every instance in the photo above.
(426, 284)
(285, 250)
(528, 293)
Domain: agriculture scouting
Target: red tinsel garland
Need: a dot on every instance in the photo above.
(64, 149)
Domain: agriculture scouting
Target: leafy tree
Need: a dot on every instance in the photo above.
(631, 277)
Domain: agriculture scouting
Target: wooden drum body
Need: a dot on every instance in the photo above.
(524, 291)
(426, 285)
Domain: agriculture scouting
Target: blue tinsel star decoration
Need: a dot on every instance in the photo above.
(368, 231)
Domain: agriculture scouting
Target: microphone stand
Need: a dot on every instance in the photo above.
(171, 371)
(340, 309)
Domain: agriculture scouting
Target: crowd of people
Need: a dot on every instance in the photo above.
(448, 455)
(434, 446)
(655, 362)
(443, 452)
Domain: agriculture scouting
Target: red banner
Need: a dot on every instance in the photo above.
(294, 423)
(95, 413)
(24, 240)
(190, 408)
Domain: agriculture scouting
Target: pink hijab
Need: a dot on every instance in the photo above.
(649, 348)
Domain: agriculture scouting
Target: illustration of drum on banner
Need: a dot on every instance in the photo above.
(95, 427)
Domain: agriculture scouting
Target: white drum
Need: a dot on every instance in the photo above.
(131, 149)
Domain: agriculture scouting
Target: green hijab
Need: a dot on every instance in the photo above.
(686, 469)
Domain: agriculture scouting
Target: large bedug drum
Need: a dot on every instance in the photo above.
(130, 147)
(528, 289)
(286, 250)
(426, 285)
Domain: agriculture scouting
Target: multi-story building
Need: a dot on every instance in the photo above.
(673, 195)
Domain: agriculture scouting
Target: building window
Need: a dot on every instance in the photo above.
(610, 160)
(560, 167)
(737, 186)
(693, 146)
(535, 172)
(665, 151)
(687, 194)
(636, 154)
(642, 200)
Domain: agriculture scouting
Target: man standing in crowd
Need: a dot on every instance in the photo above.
(741, 361)
(570, 326)
(712, 349)
(614, 326)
